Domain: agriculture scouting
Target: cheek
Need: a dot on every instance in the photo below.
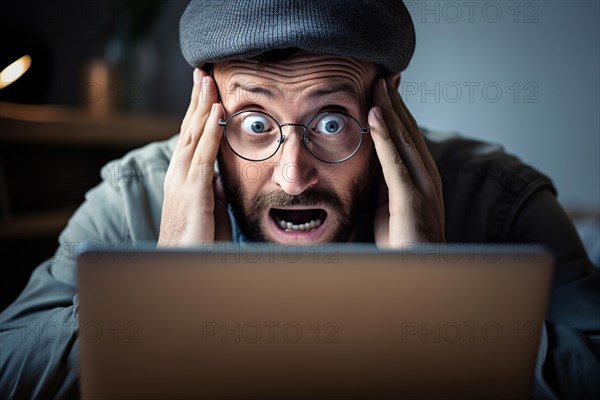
(359, 162)
(253, 177)
(344, 175)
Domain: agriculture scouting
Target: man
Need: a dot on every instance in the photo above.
(296, 182)
(296, 133)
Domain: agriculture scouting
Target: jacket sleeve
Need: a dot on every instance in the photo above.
(38, 331)
(569, 356)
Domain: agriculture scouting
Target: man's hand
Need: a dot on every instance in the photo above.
(192, 190)
(411, 204)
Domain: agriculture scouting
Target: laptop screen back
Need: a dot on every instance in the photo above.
(319, 321)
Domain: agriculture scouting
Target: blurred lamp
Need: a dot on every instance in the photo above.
(14, 71)
(25, 67)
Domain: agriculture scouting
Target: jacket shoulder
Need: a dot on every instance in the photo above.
(139, 164)
(484, 187)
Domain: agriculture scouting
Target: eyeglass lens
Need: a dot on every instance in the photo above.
(330, 136)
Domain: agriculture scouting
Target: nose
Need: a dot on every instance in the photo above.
(296, 169)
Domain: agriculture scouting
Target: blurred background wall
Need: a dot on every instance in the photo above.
(524, 74)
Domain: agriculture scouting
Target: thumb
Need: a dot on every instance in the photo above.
(382, 218)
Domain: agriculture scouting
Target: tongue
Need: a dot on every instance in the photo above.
(298, 216)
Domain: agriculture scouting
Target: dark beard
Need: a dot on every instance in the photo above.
(362, 196)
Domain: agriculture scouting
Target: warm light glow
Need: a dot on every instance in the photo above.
(14, 71)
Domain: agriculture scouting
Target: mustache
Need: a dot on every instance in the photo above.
(308, 198)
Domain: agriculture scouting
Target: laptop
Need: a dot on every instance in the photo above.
(246, 321)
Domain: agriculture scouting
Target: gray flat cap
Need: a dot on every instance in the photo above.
(380, 31)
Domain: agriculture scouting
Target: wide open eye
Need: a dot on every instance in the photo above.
(256, 123)
(330, 124)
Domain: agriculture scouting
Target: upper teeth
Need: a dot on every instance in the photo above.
(307, 226)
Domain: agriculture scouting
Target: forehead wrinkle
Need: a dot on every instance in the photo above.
(299, 69)
(332, 71)
(335, 88)
(304, 61)
(331, 88)
(247, 72)
(311, 68)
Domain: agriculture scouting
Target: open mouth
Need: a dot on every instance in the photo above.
(298, 220)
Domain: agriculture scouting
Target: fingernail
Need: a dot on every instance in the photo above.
(377, 113)
(384, 85)
(214, 110)
(196, 75)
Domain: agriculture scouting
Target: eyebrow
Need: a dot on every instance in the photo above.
(320, 91)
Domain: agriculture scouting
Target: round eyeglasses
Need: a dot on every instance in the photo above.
(331, 137)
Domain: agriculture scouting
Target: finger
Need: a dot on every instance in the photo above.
(196, 89)
(403, 141)
(190, 138)
(205, 154)
(431, 173)
(409, 120)
(207, 98)
(381, 232)
(395, 173)
(382, 217)
(415, 135)
(397, 102)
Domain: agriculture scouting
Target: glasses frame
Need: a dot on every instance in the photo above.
(305, 139)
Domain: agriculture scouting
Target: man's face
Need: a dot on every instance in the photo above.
(292, 196)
